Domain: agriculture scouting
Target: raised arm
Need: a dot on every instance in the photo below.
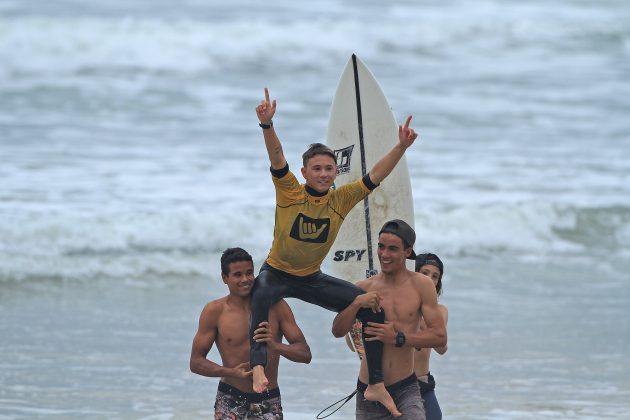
(265, 112)
(382, 168)
(203, 342)
(297, 350)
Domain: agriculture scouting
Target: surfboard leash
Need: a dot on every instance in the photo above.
(366, 204)
(344, 399)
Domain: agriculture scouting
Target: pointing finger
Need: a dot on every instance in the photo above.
(267, 94)
(407, 123)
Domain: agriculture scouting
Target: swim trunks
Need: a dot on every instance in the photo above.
(234, 404)
(406, 395)
(431, 405)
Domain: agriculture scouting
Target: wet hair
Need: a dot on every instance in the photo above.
(434, 260)
(233, 255)
(317, 149)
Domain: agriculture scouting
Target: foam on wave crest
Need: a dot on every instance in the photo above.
(125, 246)
(182, 243)
(184, 45)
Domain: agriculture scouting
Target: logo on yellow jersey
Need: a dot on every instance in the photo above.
(307, 229)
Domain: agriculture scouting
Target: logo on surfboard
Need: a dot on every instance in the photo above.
(343, 159)
(349, 255)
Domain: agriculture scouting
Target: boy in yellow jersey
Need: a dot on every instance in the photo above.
(308, 218)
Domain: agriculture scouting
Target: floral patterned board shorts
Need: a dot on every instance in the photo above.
(234, 404)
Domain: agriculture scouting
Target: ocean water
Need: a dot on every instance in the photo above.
(130, 157)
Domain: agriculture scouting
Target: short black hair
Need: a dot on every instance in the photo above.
(232, 255)
(317, 149)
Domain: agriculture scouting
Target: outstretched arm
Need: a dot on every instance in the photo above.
(297, 350)
(382, 168)
(203, 342)
(265, 112)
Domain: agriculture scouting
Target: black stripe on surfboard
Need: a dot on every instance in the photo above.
(366, 203)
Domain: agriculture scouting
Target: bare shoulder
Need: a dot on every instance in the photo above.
(281, 308)
(369, 283)
(421, 281)
(213, 309)
(425, 288)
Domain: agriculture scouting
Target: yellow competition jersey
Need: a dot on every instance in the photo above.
(306, 225)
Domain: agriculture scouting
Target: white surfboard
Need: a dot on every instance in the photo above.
(361, 130)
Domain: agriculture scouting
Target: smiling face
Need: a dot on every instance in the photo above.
(240, 278)
(320, 172)
(392, 252)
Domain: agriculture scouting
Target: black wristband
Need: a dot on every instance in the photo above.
(266, 126)
(400, 339)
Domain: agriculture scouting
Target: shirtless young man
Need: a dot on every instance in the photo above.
(431, 266)
(226, 322)
(308, 218)
(406, 297)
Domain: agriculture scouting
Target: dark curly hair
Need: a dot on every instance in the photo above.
(232, 255)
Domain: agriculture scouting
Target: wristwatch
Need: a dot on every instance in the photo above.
(400, 339)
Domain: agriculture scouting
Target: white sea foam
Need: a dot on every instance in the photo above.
(130, 156)
(77, 43)
(179, 242)
(126, 246)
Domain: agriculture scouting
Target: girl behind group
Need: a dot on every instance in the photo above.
(431, 266)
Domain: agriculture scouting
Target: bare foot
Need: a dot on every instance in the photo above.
(260, 380)
(377, 392)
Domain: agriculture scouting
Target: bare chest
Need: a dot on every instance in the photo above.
(233, 329)
(402, 305)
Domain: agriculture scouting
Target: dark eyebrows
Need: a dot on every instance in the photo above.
(382, 245)
(431, 274)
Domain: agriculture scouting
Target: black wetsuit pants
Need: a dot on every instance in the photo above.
(323, 290)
